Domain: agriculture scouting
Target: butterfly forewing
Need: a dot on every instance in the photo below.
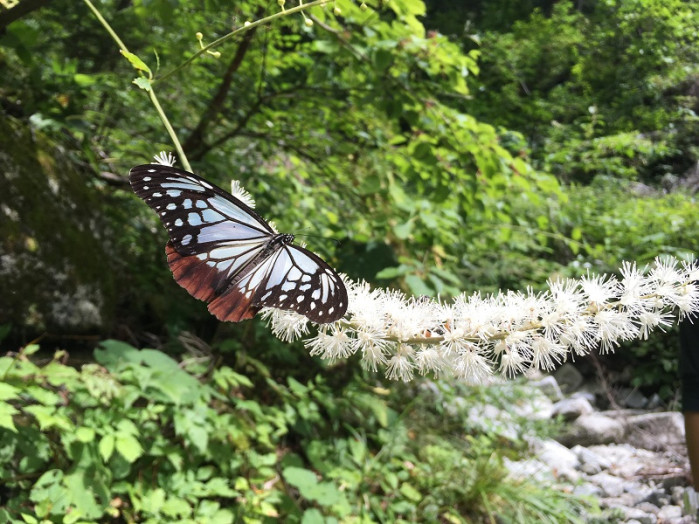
(224, 253)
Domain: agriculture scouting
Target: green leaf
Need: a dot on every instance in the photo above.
(143, 83)
(409, 492)
(136, 62)
(84, 434)
(6, 412)
(417, 286)
(30, 349)
(300, 478)
(84, 80)
(7, 391)
(48, 417)
(312, 516)
(404, 230)
(177, 507)
(128, 447)
(392, 272)
(106, 447)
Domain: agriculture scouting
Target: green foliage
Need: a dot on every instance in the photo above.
(140, 437)
(607, 91)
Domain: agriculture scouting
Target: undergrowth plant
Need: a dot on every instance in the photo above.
(139, 437)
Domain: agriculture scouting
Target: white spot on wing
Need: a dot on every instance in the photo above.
(186, 240)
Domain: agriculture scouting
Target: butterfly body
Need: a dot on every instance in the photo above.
(223, 252)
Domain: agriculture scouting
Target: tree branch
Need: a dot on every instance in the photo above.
(196, 138)
(23, 8)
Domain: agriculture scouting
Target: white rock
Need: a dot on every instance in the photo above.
(590, 462)
(611, 486)
(571, 408)
(562, 461)
(669, 512)
(549, 387)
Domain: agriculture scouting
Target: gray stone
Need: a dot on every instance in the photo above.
(654, 401)
(658, 498)
(656, 431)
(571, 408)
(635, 400)
(639, 515)
(549, 387)
(592, 429)
(648, 507)
(568, 377)
(590, 462)
(587, 490)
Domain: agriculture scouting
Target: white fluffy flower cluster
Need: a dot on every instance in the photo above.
(473, 336)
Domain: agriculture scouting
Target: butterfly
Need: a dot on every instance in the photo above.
(224, 253)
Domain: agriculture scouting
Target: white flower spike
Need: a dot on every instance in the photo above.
(510, 332)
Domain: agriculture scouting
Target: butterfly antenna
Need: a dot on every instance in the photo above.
(307, 235)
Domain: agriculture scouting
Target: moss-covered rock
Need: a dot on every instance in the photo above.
(54, 267)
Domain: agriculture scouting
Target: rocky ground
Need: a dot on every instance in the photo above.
(633, 461)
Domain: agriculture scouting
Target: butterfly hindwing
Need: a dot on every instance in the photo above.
(303, 282)
(223, 252)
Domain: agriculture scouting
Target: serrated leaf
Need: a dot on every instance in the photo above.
(7, 391)
(6, 412)
(136, 62)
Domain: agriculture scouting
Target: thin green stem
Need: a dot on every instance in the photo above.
(106, 25)
(151, 93)
(245, 27)
(173, 136)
